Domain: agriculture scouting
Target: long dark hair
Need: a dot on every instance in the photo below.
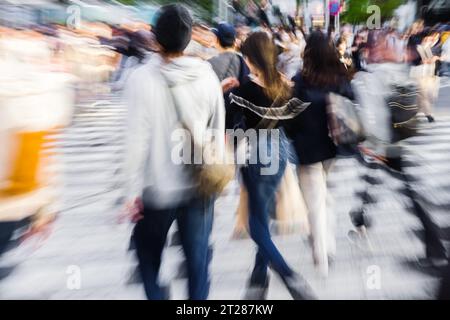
(321, 65)
(260, 50)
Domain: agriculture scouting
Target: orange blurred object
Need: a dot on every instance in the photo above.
(26, 163)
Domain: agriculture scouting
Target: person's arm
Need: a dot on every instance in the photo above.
(128, 68)
(228, 84)
(137, 136)
(244, 71)
(425, 54)
(217, 119)
(345, 89)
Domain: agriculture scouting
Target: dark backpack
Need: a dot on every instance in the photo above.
(403, 105)
(234, 119)
(244, 71)
(344, 123)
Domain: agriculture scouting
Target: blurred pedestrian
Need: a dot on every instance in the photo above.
(359, 50)
(290, 61)
(269, 92)
(171, 89)
(322, 73)
(425, 72)
(388, 90)
(415, 39)
(227, 63)
(344, 56)
(141, 45)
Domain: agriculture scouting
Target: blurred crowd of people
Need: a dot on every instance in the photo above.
(275, 77)
(46, 70)
(256, 75)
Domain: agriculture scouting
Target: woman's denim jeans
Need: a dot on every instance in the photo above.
(261, 194)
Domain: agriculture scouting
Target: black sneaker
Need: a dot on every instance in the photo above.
(257, 291)
(360, 218)
(182, 272)
(430, 119)
(299, 288)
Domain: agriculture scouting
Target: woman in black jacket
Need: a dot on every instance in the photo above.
(322, 73)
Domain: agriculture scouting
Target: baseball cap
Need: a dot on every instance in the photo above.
(226, 34)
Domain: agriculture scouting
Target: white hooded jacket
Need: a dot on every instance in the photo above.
(150, 169)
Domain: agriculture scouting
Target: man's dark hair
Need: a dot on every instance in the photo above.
(225, 43)
(173, 28)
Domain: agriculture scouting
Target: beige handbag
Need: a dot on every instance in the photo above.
(291, 214)
(291, 211)
(214, 175)
(216, 170)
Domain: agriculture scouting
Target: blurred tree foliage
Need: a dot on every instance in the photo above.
(357, 10)
(128, 2)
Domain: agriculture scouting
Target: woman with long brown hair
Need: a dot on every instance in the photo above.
(263, 101)
(322, 73)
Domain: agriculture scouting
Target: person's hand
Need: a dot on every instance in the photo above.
(40, 227)
(286, 80)
(132, 211)
(436, 58)
(229, 83)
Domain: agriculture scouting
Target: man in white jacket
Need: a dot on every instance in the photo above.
(168, 93)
